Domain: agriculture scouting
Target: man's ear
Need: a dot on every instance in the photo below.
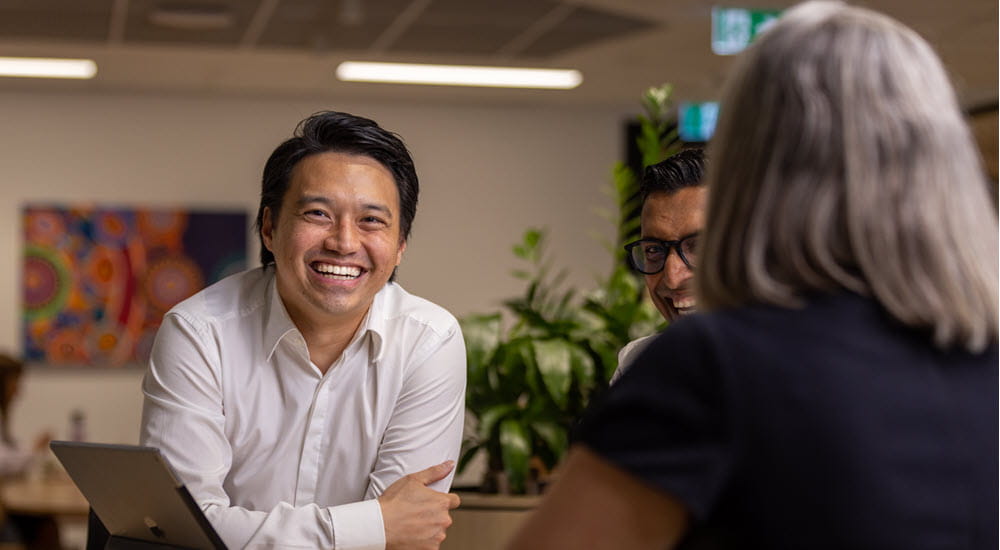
(399, 253)
(267, 228)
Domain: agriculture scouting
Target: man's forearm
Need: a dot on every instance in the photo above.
(355, 526)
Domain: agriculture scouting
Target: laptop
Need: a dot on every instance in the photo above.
(135, 494)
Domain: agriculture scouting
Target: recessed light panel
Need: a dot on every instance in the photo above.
(459, 75)
(41, 67)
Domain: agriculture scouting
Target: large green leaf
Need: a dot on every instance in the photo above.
(489, 418)
(609, 361)
(553, 435)
(584, 372)
(553, 360)
(519, 367)
(482, 336)
(516, 451)
(582, 364)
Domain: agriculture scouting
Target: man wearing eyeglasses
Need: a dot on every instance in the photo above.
(673, 214)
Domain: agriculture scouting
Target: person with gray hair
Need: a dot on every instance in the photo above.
(837, 388)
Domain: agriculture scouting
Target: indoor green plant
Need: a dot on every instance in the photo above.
(532, 371)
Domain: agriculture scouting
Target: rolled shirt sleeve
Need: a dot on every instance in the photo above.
(425, 428)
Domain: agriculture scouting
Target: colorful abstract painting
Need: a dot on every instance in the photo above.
(97, 281)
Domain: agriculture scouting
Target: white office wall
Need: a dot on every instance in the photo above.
(487, 172)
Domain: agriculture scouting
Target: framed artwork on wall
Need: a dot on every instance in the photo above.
(96, 281)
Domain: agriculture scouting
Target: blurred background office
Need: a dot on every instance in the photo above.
(189, 98)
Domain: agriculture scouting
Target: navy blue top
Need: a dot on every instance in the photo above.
(829, 426)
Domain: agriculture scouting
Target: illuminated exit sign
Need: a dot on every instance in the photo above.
(696, 121)
(733, 29)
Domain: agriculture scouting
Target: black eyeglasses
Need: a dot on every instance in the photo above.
(649, 255)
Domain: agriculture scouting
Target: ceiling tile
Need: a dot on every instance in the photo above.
(139, 28)
(473, 27)
(55, 19)
(324, 25)
(584, 26)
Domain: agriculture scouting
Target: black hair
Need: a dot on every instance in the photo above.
(684, 169)
(11, 370)
(331, 131)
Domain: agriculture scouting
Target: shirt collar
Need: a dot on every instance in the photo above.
(278, 325)
(375, 322)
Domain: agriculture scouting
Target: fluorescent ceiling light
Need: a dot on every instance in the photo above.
(459, 75)
(192, 18)
(40, 67)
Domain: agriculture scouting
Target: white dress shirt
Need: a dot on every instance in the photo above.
(280, 455)
(628, 353)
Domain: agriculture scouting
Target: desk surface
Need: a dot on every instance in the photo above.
(55, 496)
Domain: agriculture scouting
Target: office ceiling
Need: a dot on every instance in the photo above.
(291, 47)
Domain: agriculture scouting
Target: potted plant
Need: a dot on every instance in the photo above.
(533, 367)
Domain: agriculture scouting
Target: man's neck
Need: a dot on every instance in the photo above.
(327, 341)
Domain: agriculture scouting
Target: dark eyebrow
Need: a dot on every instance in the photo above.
(667, 241)
(378, 208)
(309, 200)
(303, 201)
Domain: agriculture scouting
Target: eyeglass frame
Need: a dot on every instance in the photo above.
(668, 245)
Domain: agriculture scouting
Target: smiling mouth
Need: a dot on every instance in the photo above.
(684, 306)
(336, 272)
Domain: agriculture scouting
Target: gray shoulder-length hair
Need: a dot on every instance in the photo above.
(842, 160)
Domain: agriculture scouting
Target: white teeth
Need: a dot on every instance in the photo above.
(684, 303)
(340, 270)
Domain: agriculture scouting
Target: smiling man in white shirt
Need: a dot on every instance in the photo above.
(294, 399)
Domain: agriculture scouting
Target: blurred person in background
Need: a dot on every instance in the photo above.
(838, 388)
(14, 460)
(39, 532)
(672, 217)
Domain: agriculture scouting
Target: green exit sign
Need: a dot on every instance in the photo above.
(734, 28)
(696, 120)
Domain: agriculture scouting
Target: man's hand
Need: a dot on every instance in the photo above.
(414, 516)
